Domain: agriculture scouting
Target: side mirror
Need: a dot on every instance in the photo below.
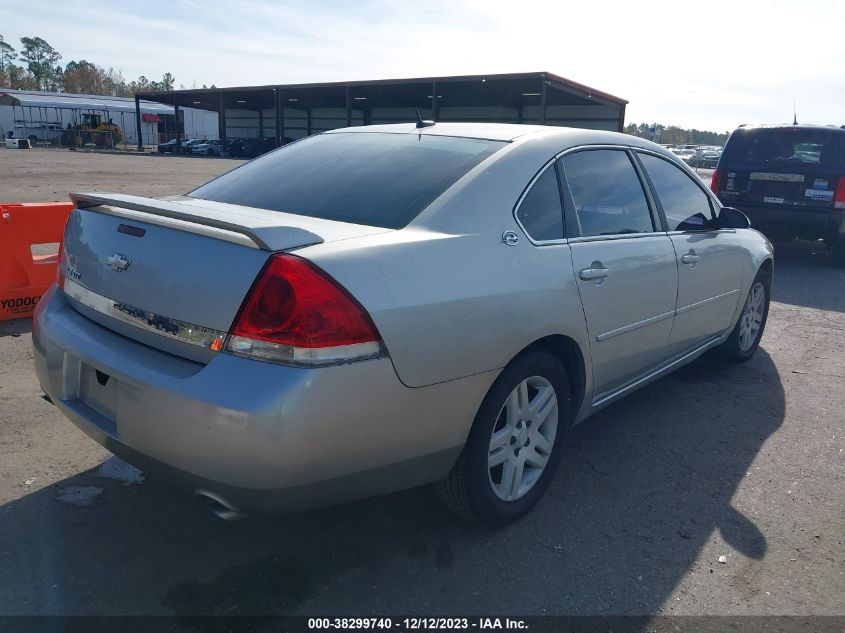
(730, 218)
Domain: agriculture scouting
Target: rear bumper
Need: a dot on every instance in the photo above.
(262, 437)
(808, 223)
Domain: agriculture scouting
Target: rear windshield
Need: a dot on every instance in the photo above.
(377, 179)
(771, 146)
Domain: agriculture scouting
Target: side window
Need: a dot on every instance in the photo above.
(540, 212)
(608, 195)
(685, 204)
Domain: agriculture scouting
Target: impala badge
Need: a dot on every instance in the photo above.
(118, 263)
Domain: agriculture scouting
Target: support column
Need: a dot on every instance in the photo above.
(261, 124)
(435, 104)
(138, 122)
(176, 120)
(543, 100)
(308, 122)
(221, 117)
(348, 108)
(280, 117)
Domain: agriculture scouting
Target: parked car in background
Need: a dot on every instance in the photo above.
(789, 179)
(188, 144)
(379, 307)
(210, 147)
(38, 131)
(168, 147)
(256, 147)
(250, 147)
(686, 155)
(707, 158)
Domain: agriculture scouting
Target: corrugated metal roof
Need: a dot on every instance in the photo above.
(562, 82)
(32, 98)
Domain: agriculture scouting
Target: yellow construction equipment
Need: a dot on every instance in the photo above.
(92, 130)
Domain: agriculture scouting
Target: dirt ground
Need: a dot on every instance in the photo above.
(42, 175)
(742, 461)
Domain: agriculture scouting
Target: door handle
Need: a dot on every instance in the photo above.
(690, 258)
(589, 274)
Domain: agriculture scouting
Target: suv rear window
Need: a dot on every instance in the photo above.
(787, 145)
(376, 179)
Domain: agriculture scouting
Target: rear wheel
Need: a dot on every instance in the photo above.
(514, 445)
(746, 335)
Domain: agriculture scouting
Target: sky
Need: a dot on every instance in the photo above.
(710, 65)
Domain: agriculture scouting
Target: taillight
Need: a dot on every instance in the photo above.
(296, 314)
(715, 181)
(839, 196)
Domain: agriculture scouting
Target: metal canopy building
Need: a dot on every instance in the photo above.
(280, 113)
(41, 116)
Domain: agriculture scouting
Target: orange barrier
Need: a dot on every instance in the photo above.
(25, 276)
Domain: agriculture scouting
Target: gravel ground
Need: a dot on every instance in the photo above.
(740, 461)
(42, 175)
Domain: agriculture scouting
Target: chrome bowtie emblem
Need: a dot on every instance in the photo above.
(118, 262)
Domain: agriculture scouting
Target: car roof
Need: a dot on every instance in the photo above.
(799, 126)
(509, 132)
(490, 131)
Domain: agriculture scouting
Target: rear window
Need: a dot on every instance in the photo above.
(772, 146)
(376, 179)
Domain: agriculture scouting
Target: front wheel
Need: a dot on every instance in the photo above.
(745, 337)
(514, 445)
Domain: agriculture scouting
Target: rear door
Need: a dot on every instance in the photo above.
(789, 167)
(624, 263)
(710, 260)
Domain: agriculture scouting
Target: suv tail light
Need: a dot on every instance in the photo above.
(715, 181)
(839, 197)
(296, 314)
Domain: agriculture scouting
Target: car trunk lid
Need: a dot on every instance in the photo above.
(172, 273)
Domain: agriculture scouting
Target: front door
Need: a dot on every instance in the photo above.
(625, 266)
(710, 260)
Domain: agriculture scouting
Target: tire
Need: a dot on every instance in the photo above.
(743, 342)
(485, 493)
(837, 253)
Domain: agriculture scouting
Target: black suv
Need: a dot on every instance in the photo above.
(789, 180)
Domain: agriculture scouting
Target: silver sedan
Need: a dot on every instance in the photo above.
(382, 307)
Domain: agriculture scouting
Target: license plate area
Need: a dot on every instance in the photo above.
(99, 391)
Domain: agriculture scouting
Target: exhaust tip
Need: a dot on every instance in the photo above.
(220, 506)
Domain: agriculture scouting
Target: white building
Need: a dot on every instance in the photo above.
(43, 115)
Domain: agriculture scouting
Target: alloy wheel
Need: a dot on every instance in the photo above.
(522, 439)
(752, 317)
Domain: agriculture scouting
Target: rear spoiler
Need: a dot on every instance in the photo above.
(255, 230)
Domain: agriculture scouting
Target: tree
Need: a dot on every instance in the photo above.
(142, 84)
(675, 135)
(40, 58)
(43, 73)
(7, 54)
(82, 77)
(167, 82)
